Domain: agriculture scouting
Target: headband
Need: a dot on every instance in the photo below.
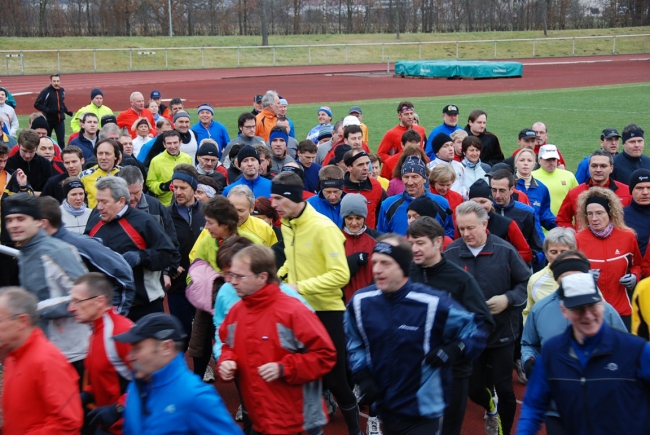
(406, 109)
(402, 256)
(325, 184)
(632, 133)
(209, 190)
(72, 185)
(278, 135)
(598, 200)
(298, 171)
(187, 178)
(569, 265)
(414, 164)
(294, 193)
(351, 160)
(26, 209)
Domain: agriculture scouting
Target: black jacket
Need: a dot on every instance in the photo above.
(51, 102)
(491, 152)
(218, 178)
(187, 233)
(53, 187)
(526, 222)
(38, 169)
(464, 289)
(155, 208)
(625, 164)
(499, 270)
(637, 217)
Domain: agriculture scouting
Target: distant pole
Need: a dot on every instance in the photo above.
(169, 5)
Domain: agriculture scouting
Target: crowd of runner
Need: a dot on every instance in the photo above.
(146, 254)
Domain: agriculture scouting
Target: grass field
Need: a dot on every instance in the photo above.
(127, 57)
(574, 117)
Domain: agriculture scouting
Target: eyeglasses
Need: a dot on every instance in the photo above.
(233, 276)
(78, 301)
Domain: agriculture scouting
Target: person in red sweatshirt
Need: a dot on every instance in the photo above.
(392, 141)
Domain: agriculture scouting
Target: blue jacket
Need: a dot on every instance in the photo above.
(260, 186)
(540, 200)
(312, 182)
(442, 128)
(217, 132)
(388, 337)
(86, 146)
(292, 130)
(582, 173)
(324, 207)
(637, 217)
(599, 387)
(176, 401)
(393, 219)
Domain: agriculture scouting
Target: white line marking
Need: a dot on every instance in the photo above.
(567, 63)
(18, 94)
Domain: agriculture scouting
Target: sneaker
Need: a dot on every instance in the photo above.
(208, 376)
(332, 406)
(239, 416)
(493, 425)
(373, 426)
(521, 374)
(357, 392)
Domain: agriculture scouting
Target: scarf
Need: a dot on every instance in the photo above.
(358, 233)
(603, 234)
(469, 164)
(76, 212)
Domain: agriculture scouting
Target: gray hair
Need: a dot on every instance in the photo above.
(208, 140)
(132, 175)
(242, 190)
(20, 301)
(133, 94)
(468, 207)
(560, 235)
(269, 98)
(118, 186)
(109, 128)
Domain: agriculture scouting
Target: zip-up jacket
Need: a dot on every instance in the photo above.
(315, 259)
(38, 169)
(372, 191)
(215, 131)
(260, 185)
(360, 275)
(293, 337)
(90, 176)
(524, 216)
(637, 216)
(86, 146)
(391, 143)
(566, 215)
(186, 234)
(641, 310)
(127, 118)
(442, 128)
(161, 171)
(265, 121)
(324, 207)
(100, 111)
(393, 218)
(390, 334)
(50, 102)
(261, 229)
(499, 270)
(53, 187)
(540, 200)
(625, 164)
(599, 387)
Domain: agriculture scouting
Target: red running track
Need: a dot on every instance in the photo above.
(326, 83)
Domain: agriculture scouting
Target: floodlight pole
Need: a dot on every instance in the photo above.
(169, 5)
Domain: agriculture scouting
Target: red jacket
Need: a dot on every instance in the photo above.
(363, 278)
(41, 393)
(127, 118)
(107, 368)
(455, 199)
(566, 214)
(372, 191)
(270, 326)
(392, 141)
(615, 256)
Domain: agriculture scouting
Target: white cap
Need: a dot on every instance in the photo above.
(283, 102)
(351, 120)
(548, 152)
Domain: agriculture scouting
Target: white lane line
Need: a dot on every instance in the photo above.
(568, 63)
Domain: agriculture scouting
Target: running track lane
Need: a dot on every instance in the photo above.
(327, 83)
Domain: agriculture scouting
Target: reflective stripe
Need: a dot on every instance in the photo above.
(357, 313)
(432, 308)
(111, 351)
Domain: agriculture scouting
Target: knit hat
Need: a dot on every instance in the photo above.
(39, 122)
(402, 257)
(96, 92)
(424, 206)
(22, 203)
(639, 176)
(208, 149)
(325, 132)
(439, 141)
(414, 164)
(354, 203)
(207, 107)
(247, 151)
(181, 114)
(295, 169)
(480, 189)
(339, 152)
(326, 110)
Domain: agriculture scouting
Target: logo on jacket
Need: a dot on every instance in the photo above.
(537, 203)
(617, 252)
(171, 409)
(611, 366)
(409, 328)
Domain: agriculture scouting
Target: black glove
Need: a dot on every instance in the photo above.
(529, 364)
(86, 398)
(165, 186)
(356, 260)
(445, 355)
(105, 416)
(69, 114)
(362, 258)
(370, 391)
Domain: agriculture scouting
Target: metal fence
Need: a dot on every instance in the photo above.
(24, 62)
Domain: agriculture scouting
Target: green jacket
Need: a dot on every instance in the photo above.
(161, 170)
(91, 108)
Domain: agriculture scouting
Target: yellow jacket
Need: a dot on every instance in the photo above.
(161, 170)
(90, 176)
(261, 229)
(316, 261)
(91, 108)
(206, 247)
(641, 309)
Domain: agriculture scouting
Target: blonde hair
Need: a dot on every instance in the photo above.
(615, 208)
(442, 173)
(458, 134)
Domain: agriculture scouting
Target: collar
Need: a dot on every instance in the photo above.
(33, 339)
(143, 204)
(364, 185)
(34, 240)
(641, 208)
(169, 373)
(400, 294)
(262, 298)
(611, 185)
(123, 211)
(510, 205)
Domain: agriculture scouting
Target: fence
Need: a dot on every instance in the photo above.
(23, 62)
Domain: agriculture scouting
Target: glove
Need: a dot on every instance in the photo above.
(370, 391)
(362, 259)
(629, 281)
(356, 260)
(595, 273)
(105, 416)
(529, 364)
(445, 355)
(132, 257)
(69, 114)
(165, 186)
(86, 398)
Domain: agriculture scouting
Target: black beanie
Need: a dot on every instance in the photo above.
(96, 92)
(401, 256)
(247, 151)
(424, 206)
(439, 141)
(39, 122)
(480, 189)
(639, 176)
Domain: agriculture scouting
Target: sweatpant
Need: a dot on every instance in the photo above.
(500, 361)
(336, 381)
(455, 411)
(59, 129)
(412, 426)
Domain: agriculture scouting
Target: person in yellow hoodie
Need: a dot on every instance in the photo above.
(159, 178)
(243, 199)
(107, 152)
(316, 267)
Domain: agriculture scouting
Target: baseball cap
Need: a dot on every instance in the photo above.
(351, 120)
(501, 165)
(355, 109)
(258, 98)
(578, 289)
(160, 326)
(155, 94)
(527, 133)
(450, 109)
(609, 133)
(548, 152)
(108, 119)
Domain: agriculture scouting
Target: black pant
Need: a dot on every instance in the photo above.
(183, 310)
(455, 411)
(500, 360)
(139, 311)
(554, 426)
(627, 321)
(81, 370)
(59, 129)
(412, 426)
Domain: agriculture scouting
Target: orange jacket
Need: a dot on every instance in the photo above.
(265, 122)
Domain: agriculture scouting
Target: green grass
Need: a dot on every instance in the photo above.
(574, 117)
(124, 60)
